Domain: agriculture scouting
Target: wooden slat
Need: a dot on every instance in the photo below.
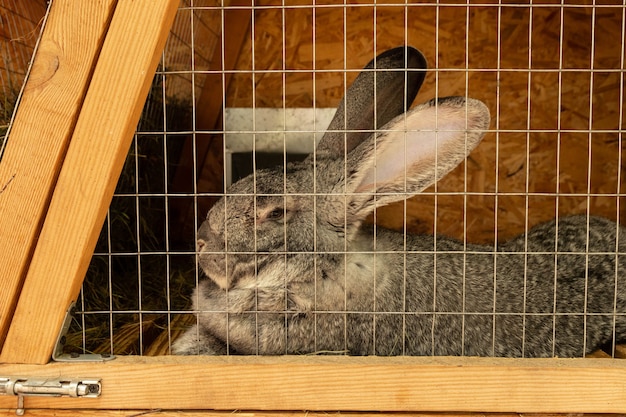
(197, 413)
(94, 160)
(343, 384)
(210, 105)
(41, 132)
(235, 31)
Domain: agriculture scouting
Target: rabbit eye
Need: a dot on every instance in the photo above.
(276, 214)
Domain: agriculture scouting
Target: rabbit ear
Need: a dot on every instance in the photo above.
(375, 97)
(412, 152)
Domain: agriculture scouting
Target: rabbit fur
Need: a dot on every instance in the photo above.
(293, 270)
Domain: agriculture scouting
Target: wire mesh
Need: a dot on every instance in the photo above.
(552, 76)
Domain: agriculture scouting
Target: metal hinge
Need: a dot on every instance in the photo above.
(59, 356)
(44, 387)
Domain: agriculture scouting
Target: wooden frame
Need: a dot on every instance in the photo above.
(65, 151)
(107, 110)
(39, 138)
(342, 384)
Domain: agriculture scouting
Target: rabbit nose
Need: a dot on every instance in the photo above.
(200, 244)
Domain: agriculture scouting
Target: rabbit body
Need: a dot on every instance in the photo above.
(293, 269)
(386, 302)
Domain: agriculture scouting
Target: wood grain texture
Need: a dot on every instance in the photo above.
(209, 107)
(343, 384)
(94, 159)
(198, 413)
(41, 132)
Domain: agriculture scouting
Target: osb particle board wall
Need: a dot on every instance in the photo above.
(534, 135)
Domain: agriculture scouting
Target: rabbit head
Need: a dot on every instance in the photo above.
(373, 153)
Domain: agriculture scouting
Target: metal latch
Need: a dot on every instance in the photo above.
(42, 387)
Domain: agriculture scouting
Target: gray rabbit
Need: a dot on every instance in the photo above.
(293, 270)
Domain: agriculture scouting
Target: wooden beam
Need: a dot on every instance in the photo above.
(90, 171)
(342, 384)
(210, 106)
(235, 32)
(41, 133)
(197, 413)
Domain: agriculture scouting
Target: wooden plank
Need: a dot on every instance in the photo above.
(41, 132)
(235, 31)
(85, 186)
(343, 384)
(235, 413)
(197, 413)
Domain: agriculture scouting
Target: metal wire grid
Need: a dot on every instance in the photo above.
(129, 239)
